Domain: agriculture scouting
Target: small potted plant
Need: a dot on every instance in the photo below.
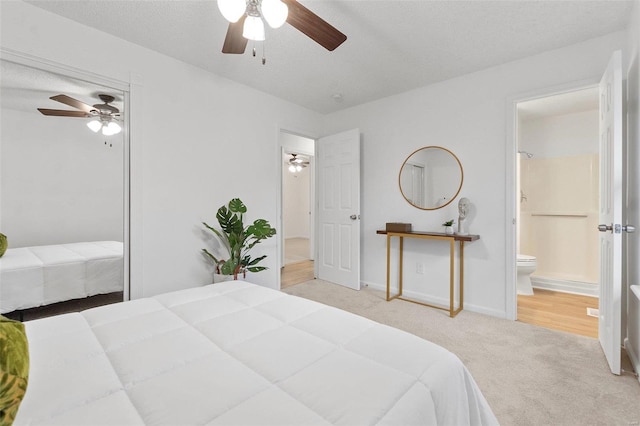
(237, 240)
(448, 227)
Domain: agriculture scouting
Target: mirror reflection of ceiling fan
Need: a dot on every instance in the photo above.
(104, 116)
(297, 162)
(246, 23)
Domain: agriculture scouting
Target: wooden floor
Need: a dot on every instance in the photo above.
(559, 311)
(296, 273)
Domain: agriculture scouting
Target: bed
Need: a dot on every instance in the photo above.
(237, 353)
(41, 275)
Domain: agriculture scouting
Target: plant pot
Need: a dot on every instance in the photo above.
(448, 230)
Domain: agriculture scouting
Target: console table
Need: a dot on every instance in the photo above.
(461, 239)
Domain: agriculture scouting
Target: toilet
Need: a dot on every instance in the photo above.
(526, 266)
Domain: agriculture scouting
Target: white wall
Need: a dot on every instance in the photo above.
(60, 183)
(295, 197)
(633, 174)
(467, 115)
(181, 170)
(563, 135)
(297, 144)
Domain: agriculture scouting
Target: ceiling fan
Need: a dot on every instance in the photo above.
(105, 115)
(245, 22)
(296, 163)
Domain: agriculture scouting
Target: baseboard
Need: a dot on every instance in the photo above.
(565, 286)
(634, 357)
(438, 301)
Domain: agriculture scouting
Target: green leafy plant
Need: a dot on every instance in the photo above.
(448, 223)
(238, 240)
(3, 244)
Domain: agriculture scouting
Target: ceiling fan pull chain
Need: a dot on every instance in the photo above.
(254, 49)
(264, 57)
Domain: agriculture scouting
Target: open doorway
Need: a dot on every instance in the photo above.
(557, 201)
(297, 230)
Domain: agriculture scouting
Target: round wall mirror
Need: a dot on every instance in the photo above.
(431, 177)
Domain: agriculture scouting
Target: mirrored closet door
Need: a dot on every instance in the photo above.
(62, 192)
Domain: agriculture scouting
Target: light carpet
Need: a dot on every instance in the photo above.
(530, 375)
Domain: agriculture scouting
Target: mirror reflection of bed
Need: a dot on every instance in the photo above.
(61, 199)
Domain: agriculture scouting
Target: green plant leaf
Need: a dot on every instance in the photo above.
(222, 237)
(237, 206)
(229, 267)
(261, 229)
(255, 261)
(257, 268)
(215, 259)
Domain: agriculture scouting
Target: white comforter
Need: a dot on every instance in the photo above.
(40, 275)
(236, 353)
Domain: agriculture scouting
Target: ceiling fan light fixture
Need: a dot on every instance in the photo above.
(94, 125)
(253, 28)
(275, 12)
(292, 168)
(232, 10)
(111, 128)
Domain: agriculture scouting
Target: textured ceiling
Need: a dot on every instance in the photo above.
(392, 46)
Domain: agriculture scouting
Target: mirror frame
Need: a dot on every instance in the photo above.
(459, 186)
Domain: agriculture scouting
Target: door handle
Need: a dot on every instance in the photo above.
(626, 228)
(354, 217)
(605, 228)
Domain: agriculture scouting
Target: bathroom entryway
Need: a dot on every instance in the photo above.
(557, 197)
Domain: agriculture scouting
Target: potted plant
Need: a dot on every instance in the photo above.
(237, 240)
(448, 227)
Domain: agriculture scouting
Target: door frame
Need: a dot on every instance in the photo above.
(279, 198)
(127, 88)
(511, 157)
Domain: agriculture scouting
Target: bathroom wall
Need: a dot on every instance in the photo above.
(559, 208)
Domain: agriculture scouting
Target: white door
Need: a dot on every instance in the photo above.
(610, 217)
(338, 162)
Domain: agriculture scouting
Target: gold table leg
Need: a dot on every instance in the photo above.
(452, 284)
(400, 265)
(388, 266)
(451, 309)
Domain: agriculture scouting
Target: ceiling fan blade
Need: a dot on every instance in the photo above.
(234, 42)
(64, 113)
(68, 100)
(313, 26)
